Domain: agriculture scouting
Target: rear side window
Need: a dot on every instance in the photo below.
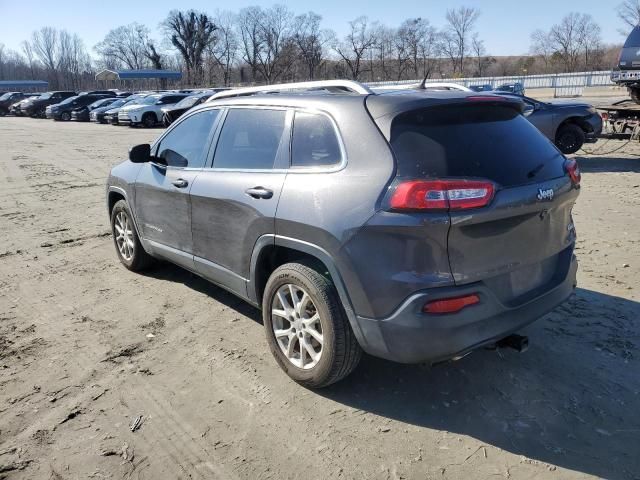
(185, 145)
(314, 141)
(479, 141)
(250, 139)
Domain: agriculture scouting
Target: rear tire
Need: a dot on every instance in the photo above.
(130, 251)
(65, 116)
(338, 353)
(570, 138)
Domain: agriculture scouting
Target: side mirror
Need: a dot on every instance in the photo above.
(140, 153)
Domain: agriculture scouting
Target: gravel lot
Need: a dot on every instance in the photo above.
(77, 366)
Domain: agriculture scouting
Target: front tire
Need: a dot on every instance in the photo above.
(149, 120)
(65, 116)
(125, 238)
(570, 138)
(306, 327)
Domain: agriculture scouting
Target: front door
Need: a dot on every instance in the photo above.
(163, 207)
(234, 202)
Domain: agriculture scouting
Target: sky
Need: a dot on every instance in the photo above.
(504, 25)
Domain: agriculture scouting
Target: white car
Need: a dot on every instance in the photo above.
(148, 110)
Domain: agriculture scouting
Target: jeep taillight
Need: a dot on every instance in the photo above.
(573, 170)
(442, 194)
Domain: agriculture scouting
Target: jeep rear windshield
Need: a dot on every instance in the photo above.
(633, 40)
(478, 141)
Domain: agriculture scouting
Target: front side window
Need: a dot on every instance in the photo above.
(314, 142)
(250, 139)
(184, 146)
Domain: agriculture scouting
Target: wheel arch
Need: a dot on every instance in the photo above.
(272, 251)
(577, 120)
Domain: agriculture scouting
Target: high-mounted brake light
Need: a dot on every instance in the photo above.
(486, 98)
(573, 170)
(450, 305)
(442, 194)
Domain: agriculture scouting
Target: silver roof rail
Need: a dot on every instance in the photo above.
(338, 86)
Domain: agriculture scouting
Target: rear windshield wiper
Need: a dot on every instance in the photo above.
(535, 171)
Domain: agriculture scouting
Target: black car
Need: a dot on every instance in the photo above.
(16, 108)
(9, 98)
(82, 114)
(516, 88)
(171, 113)
(568, 124)
(481, 88)
(98, 114)
(37, 107)
(62, 111)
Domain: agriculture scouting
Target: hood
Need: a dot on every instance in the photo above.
(130, 107)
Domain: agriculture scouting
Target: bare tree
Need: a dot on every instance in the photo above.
(461, 22)
(125, 46)
(356, 44)
(419, 40)
(45, 45)
(277, 53)
(190, 32)
(629, 12)
(225, 50)
(542, 47)
(310, 40)
(576, 37)
(480, 53)
(249, 25)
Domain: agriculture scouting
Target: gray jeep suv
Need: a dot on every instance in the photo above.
(415, 226)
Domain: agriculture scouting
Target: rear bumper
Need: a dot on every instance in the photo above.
(410, 336)
(595, 124)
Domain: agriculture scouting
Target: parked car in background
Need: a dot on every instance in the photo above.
(516, 88)
(9, 98)
(62, 111)
(105, 93)
(148, 111)
(171, 113)
(16, 108)
(82, 114)
(568, 124)
(111, 115)
(37, 107)
(447, 228)
(481, 88)
(98, 114)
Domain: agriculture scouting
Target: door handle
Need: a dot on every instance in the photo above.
(259, 192)
(180, 183)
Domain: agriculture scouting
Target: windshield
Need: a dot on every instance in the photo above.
(118, 103)
(44, 96)
(5, 96)
(188, 102)
(634, 38)
(68, 100)
(150, 100)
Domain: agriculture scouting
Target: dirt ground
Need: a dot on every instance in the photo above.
(86, 347)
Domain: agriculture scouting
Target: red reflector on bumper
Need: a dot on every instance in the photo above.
(450, 305)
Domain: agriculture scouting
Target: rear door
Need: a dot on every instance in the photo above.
(163, 207)
(524, 237)
(234, 202)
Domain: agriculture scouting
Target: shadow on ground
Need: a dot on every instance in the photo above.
(608, 164)
(572, 400)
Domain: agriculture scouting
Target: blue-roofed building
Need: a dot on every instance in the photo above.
(137, 78)
(23, 86)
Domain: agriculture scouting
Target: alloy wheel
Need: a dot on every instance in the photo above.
(124, 236)
(296, 326)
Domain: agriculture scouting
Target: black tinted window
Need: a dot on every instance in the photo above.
(184, 146)
(473, 141)
(250, 139)
(314, 141)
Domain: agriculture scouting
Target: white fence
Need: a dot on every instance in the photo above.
(564, 84)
